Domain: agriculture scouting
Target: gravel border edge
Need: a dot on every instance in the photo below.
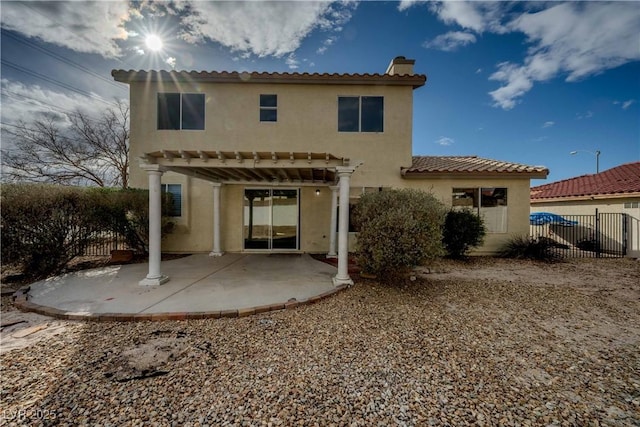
(21, 301)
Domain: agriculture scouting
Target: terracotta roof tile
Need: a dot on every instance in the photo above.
(472, 165)
(127, 76)
(620, 180)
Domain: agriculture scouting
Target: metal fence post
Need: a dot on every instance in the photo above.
(597, 236)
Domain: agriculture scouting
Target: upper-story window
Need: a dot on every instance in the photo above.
(268, 108)
(178, 111)
(360, 113)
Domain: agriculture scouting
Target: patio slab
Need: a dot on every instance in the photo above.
(233, 283)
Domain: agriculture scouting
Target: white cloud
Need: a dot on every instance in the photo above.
(586, 115)
(406, 4)
(292, 62)
(548, 124)
(171, 61)
(21, 102)
(262, 28)
(572, 39)
(450, 41)
(89, 27)
(627, 104)
(445, 141)
(479, 70)
(476, 16)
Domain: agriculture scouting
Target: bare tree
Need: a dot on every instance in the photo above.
(85, 151)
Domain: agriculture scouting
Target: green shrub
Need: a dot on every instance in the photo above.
(45, 226)
(463, 230)
(398, 230)
(524, 247)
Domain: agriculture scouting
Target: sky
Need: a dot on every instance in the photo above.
(524, 82)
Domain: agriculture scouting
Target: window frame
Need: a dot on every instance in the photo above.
(181, 111)
(164, 189)
(378, 123)
(268, 108)
(477, 204)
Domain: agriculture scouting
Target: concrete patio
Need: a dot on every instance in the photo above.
(199, 286)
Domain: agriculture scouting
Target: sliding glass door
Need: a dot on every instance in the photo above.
(271, 219)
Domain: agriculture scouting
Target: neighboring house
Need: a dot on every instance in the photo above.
(614, 191)
(258, 161)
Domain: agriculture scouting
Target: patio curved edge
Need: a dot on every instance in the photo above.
(21, 301)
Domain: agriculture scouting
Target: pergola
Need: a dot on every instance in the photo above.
(250, 167)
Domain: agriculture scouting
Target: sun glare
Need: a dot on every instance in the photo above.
(153, 42)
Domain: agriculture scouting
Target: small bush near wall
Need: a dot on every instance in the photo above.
(399, 229)
(463, 230)
(45, 226)
(525, 247)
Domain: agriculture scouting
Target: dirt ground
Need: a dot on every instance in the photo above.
(616, 277)
(481, 342)
(617, 281)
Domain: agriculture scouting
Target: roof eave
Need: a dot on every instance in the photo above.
(414, 80)
(475, 174)
(585, 197)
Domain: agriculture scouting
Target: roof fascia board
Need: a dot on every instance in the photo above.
(415, 80)
(586, 197)
(473, 175)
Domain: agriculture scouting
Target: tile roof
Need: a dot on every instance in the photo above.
(468, 165)
(124, 76)
(618, 181)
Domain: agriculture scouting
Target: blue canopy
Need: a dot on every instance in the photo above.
(542, 218)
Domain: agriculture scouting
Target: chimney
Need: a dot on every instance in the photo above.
(400, 66)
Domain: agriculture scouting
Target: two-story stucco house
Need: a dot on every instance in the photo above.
(264, 162)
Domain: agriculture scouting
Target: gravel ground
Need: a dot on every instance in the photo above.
(482, 343)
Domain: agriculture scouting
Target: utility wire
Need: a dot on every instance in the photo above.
(20, 96)
(54, 81)
(65, 60)
(25, 4)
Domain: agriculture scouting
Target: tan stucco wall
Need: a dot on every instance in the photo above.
(195, 229)
(307, 121)
(588, 207)
(517, 204)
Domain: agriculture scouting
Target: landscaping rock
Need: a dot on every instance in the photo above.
(504, 343)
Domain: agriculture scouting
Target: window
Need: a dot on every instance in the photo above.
(490, 203)
(175, 190)
(631, 205)
(360, 114)
(352, 224)
(181, 111)
(268, 108)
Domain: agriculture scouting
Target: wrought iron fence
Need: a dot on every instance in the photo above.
(584, 236)
(102, 242)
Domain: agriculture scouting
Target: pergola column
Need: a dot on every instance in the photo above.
(217, 250)
(155, 277)
(342, 278)
(334, 218)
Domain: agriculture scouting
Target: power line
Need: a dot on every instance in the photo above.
(53, 81)
(68, 29)
(19, 97)
(65, 60)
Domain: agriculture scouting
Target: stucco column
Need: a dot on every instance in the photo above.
(155, 277)
(217, 250)
(334, 217)
(342, 278)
